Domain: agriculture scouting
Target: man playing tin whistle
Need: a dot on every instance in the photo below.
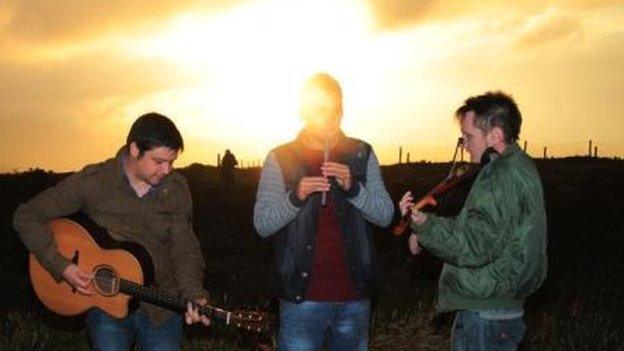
(317, 198)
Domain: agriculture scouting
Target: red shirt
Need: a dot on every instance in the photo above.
(330, 279)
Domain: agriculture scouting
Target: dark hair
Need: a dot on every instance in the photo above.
(494, 109)
(153, 130)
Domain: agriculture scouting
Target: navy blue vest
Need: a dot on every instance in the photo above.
(294, 244)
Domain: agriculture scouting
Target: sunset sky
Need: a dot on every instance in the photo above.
(74, 74)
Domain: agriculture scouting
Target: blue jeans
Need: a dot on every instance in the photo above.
(109, 333)
(307, 325)
(482, 330)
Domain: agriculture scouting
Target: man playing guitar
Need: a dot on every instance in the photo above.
(137, 197)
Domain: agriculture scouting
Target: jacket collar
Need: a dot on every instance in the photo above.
(118, 172)
(511, 149)
(120, 178)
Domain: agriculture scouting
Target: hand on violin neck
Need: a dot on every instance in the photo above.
(406, 202)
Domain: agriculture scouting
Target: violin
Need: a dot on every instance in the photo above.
(448, 196)
(437, 195)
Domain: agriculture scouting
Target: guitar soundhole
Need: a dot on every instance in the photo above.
(106, 281)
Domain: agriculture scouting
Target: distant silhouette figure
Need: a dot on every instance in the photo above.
(228, 163)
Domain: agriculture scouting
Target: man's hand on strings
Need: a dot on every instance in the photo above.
(79, 279)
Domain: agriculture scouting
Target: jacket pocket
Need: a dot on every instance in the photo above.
(469, 282)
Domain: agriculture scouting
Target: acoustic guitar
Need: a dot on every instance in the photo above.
(122, 275)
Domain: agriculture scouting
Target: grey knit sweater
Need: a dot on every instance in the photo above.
(274, 210)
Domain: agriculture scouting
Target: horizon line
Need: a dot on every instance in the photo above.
(255, 166)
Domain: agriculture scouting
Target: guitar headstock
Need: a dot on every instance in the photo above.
(251, 320)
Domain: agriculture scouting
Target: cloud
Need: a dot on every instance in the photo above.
(70, 20)
(91, 76)
(548, 29)
(592, 4)
(390, 15)
(48, 108)
(400, 14)
(393, 15)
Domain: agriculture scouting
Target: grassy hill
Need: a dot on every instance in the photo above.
(578, 308)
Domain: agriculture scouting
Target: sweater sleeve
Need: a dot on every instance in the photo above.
(372, 199)
(31, 219)
(275, 207)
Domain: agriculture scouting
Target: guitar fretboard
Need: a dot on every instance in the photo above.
(173, 302)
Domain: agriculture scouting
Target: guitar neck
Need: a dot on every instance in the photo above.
(170, 301)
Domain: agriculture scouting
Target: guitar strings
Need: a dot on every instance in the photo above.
(109, 279)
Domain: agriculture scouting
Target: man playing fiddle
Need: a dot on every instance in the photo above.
(494, 250)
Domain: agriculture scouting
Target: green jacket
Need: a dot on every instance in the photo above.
(494, 251)
(161, 222)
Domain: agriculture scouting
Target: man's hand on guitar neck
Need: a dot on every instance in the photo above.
(192, 314)
(80, 280)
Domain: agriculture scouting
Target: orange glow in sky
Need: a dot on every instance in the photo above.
(74, 76)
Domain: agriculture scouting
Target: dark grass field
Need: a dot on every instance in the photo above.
(579, 307)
